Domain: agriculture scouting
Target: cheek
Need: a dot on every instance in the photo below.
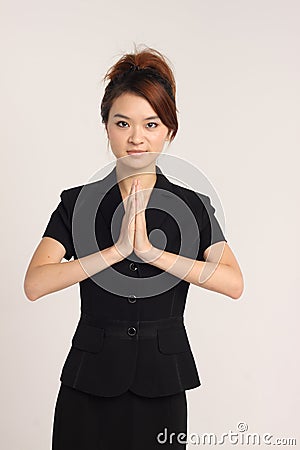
(160, 136)
(114, 134)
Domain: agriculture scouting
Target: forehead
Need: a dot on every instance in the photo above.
(132, 105)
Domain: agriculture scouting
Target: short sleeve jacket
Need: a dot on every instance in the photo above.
(131, 332)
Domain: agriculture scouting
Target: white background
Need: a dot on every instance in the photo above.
(236, 64)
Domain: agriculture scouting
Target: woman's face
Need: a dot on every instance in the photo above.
(134, 125)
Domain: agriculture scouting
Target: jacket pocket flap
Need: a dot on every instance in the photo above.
(88, 338)
(173, 340)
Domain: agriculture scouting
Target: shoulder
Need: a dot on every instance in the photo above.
(193, 198)
(69, 195)
(198, 203)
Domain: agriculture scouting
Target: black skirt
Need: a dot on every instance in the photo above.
(84, 421)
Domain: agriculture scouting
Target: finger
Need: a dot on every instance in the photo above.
(142, 197)
(140, 216)
(129, 209)
(138, 202)
(138, 196)
(132, 192)
(142, 203)
(134, 197)
(136, 190)
(132, 202)
(129, 199)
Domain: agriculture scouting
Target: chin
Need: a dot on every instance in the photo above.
(139, 161)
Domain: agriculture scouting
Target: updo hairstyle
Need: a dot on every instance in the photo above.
(145, 73)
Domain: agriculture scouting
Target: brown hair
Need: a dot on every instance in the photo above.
(145, 73)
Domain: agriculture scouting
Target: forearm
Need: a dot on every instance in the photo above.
(53, 277)
(210, 275)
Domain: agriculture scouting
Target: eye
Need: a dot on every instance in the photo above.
(121, 121)
(153, 123)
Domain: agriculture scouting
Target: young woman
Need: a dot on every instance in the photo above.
(124, 380)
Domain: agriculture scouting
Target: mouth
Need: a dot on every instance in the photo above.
(136, 152)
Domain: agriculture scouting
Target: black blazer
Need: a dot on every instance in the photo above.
(131, 332)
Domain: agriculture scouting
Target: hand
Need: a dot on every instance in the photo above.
(142, 246)
(124, 245)
(133, 233)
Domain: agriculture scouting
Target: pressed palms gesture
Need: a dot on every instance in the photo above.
(133, 234)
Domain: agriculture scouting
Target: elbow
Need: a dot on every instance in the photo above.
(30, 295)
(236, 295)
(30, 291)
(238, 288)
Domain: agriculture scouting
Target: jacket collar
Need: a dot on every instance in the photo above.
(112, 202)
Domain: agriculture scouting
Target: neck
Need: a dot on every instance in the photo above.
(126, 175)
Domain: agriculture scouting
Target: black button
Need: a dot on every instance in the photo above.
(132, 298)
(131, 331)
(132, 266)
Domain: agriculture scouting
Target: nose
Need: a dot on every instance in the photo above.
(136, 136)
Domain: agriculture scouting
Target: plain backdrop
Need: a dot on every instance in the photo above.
(236, 65)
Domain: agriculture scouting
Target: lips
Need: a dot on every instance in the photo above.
(136, 152)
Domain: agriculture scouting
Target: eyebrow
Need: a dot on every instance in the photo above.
(125, 117)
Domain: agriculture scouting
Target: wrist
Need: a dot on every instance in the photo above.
(119, 253)
(151, 255)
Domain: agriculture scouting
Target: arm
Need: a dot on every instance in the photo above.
(46, 273)
(219, 274)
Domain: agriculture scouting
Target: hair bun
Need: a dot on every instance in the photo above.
(148, 59)
(148, 74)
(135, 67)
